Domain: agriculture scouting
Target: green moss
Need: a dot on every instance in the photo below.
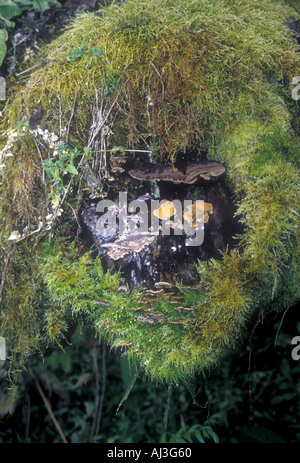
(171, 76)
(20, 317)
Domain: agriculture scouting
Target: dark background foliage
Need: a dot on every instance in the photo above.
(252, 397)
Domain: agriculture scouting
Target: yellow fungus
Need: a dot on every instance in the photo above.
(165, 211)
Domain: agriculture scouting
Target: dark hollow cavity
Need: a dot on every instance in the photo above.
(162, 258)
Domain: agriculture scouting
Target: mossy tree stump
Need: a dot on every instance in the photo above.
(169, 77)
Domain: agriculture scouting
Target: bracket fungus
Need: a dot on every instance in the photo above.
(189, 175)
(128, 244)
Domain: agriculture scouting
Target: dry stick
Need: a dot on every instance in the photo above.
(29, 69)
(49, 408)
(31, 233)
(89, 144)
(125, 150)
(162, 82)
(75, 215)
(105, 119)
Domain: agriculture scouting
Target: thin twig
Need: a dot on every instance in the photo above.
(57, 209)
(102, 391)
(41, 157)
(162, 82)
(76, 218)
(249, 366)
(125, 150)
(5, 269)
(50, 411)
(63, 199)
(29, 69)
(167, 408)
(60, 114)
(31, 233)
(293, 6)
(280, 325)
(7, 255)
(105, 119)
(71, 117)
(27, 418)
(92, 432)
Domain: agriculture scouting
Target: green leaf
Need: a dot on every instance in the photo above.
(62, 358)
(127, 392)
(71, 169)
(55, 174)
(199, 437)
(211, 433)
(263, 435)
(76, 53)
(285, 368)
(95, 51)
(3, 38)
(41, 5)
(179, 441)
(6, 21)
(7, 403)
(9, 9)
(283, 397)
(129, 371)
(163, 438)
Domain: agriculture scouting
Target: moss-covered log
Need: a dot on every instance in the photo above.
(168, 76)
